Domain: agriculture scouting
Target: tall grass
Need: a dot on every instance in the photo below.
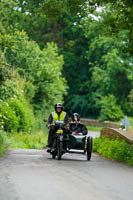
(94, 128)
(36, 140)
(3, 143)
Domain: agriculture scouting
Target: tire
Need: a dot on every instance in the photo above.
(59, 150)
(89, 148)
(54, 153)
(54, 156)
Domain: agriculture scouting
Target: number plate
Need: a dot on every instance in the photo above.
(60, 131)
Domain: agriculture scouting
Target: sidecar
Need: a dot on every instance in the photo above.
(78, 141)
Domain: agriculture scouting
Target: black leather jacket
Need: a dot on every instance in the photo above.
(78, 128)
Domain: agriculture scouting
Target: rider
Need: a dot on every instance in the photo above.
(58, 115)
(76, 126)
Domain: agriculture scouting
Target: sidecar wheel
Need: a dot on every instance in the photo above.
(89, 148)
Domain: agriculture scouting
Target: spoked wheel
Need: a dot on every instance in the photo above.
(89, 147)
(59, 150)
(54, 152)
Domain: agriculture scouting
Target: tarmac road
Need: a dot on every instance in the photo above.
(94, 134)
(34, 175)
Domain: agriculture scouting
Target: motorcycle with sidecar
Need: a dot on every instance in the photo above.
(70, 143)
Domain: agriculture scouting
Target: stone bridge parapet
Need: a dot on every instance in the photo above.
(113, 133)
(98, 123)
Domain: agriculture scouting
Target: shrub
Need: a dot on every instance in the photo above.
(8, 90)
(114, 149)
(16, 115)
(24, 113)
(109, 109)
(3, 143)
(8, 119)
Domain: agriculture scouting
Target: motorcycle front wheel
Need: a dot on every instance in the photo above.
(59, 150)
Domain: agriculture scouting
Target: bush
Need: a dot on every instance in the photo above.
(109, 109)
(16, 115)
(3, 143)
(8, 119)
(8, 90)
(24, 114)
(114, 149)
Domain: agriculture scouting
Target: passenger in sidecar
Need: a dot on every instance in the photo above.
(78, 133)
(76, 126)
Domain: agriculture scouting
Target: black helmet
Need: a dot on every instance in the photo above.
(75, 116)
(58, 105)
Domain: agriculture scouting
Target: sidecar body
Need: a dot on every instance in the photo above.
(78, 141)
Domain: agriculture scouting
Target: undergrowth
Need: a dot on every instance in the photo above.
(3, 143)
(26, 141)
(117, 149)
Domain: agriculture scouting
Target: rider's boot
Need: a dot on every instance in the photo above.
(49, 147)
(49, 150)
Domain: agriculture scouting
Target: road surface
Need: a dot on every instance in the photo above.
(34, 175)
(94, 134)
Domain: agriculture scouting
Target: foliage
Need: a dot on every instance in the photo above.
(109, 109)
(16, 116)
(44, 84)
(118, 17)
(8, 119)
(130, 97)
(110, 65)
(93, 51)
(27, 141)
(4, 69)
(3, 143)
(114, 149)
(36, 77)
(24, 114)
(54, 23)
(15, 112)
(12, 88)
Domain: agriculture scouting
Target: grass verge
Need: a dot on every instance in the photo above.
(26, 141)
(3, 143)
(93, 128)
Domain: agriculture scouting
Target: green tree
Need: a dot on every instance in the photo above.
(41, 69)
(109, 109)
(110, 65)
(117, 17)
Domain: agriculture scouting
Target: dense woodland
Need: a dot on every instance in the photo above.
(76, 52)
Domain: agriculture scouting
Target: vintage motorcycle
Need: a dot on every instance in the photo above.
(70, 143)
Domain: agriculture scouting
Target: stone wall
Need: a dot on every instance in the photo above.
(98, 123)
(114, 133)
